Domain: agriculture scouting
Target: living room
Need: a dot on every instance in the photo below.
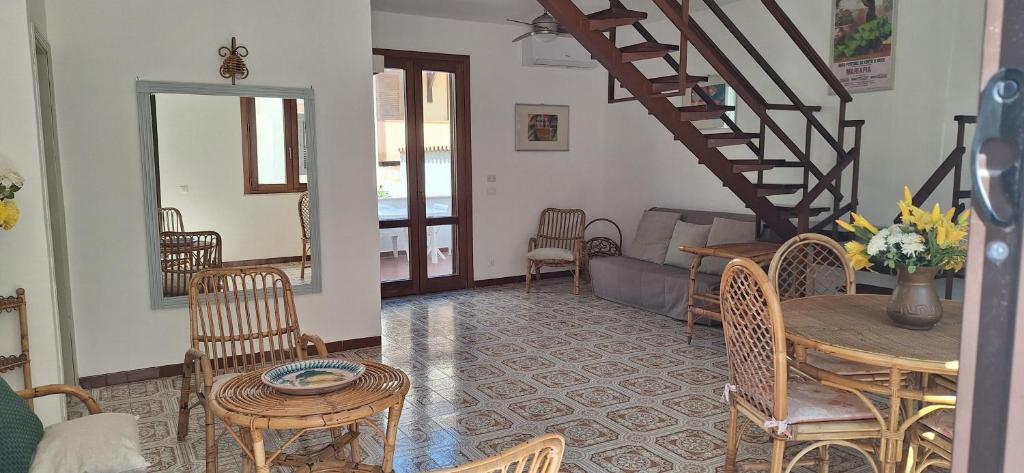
(436, 291)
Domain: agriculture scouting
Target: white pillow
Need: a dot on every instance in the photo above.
(689, 234)
(98, 443)
(725, 231)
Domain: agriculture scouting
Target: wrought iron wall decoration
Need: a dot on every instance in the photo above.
(233, 67)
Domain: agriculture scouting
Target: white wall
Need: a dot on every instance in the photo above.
(909, 129)
(200, 140)
(24, 251)
(527, 182)
(100, 49)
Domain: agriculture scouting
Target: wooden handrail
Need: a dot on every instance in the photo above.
(774, 76)
(805, 47)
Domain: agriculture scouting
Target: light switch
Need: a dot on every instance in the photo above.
(492, 178)
(184, 189)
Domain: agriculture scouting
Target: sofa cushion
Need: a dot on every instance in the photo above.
(725, 231)
(98, 443)
(548, 254)
(652, 236)
(20, 431)
(688, 234)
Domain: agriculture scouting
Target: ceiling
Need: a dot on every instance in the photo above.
(494, 11)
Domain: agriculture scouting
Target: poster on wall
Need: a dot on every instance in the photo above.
(863, 34)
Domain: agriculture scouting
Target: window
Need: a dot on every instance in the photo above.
(273, 145)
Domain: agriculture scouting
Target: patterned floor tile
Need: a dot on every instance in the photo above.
(494, 367)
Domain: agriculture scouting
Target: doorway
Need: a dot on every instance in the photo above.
(55, 208)
(423, 160)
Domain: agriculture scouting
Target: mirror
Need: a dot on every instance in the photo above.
(230, 182)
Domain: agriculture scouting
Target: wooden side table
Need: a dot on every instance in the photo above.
(249, 408)
(760, 252)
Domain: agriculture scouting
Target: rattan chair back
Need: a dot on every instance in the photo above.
(243, 318)
(304, 215)
(811, 265)
(170, 220)
(541, 455)
(755, 339)
(560, 228)
(183, 254)
(17, 304)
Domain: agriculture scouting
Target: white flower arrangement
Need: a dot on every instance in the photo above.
(10, 182)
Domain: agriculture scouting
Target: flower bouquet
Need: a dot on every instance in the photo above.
(10, 182)
(918, 247)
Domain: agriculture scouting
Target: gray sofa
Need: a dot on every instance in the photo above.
(658, 288)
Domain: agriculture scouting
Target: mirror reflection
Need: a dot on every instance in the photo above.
(232, 185)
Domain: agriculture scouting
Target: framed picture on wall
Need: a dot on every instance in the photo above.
(721, 94)
(542, 127)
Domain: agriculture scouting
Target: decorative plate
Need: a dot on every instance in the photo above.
(314, 376)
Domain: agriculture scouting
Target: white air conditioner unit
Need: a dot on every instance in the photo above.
(561, 52)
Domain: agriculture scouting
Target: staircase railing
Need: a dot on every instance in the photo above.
(844, 158)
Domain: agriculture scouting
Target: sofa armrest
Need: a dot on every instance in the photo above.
(73, 391)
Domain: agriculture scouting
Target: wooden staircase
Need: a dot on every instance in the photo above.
(597, 32)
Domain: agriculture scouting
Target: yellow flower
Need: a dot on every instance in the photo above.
(907, 198)
(9, 215)
(964, 218)
(863, 223)
(853, 247)
(846, 226)
(860, 261)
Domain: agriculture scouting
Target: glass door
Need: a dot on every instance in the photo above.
(422, 158)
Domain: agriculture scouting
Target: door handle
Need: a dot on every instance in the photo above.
(997, 149)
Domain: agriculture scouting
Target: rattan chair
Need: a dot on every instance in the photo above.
(760, 385)
(814, 265)
(241, 319)
(541, 455)
(304, 222)
(183, 254)
(170, 220)
(559, 243)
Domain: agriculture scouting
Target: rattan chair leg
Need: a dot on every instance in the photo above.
(211, 442)
(302, 272)
(529, 274)
(391, 436)
(183, 402)
(356, 450)
(778, 456)
(259, 452)
(732, 442)
(576, 279)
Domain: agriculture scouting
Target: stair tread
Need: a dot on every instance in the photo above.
(779, 186)
(715, 140)
(749, 165)
(791, 210)
(670, 83)
(614, 17)
(646, 50)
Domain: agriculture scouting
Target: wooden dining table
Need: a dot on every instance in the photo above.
(856, 328)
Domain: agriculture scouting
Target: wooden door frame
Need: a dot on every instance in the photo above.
(462, 218)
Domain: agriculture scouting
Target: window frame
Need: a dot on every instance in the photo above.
(250, 158)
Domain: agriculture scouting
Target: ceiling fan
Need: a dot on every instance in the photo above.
(544, 27)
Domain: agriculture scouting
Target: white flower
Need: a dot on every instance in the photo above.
(9, 178)
(912, 248)
(877, 244)
(911, 239)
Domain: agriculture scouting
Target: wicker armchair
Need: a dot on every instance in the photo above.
(559, 243)
(304, 222)
(241, 319)
(813, 265)
(183, 254)
(789, 410)
(170, 220)
(540, 455)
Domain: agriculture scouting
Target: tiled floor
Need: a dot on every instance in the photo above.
(495, 366)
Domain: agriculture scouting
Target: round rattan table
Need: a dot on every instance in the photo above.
(246, 404)
(856, 328)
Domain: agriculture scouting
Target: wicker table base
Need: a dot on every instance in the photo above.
(249, 408)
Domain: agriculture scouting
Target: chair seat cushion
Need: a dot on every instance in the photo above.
(20, 431)
(98, 443)
(809, 401)
(840, 366)
(941, 421)
(550, 254)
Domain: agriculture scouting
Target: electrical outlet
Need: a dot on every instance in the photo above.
(492, 191)
(492, 178)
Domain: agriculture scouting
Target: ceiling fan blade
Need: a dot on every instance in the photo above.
(520, 22)
(523, 36)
